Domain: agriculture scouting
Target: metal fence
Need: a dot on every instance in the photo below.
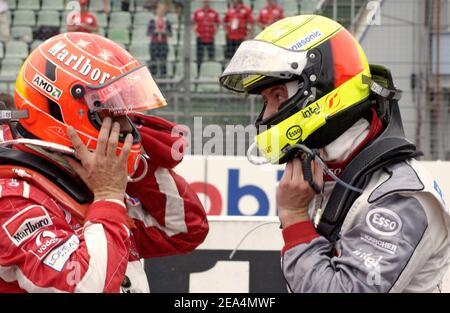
(196, 99)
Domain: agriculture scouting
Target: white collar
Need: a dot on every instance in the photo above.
(341, 147)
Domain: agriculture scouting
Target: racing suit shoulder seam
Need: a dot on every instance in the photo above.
(377, 193)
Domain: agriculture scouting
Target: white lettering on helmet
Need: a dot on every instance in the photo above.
(81, 64)
(95, 75)
(71, 59)
(307, 39)
(104, 77)
(56, 48)
(75, 67)
(86, 68)
(62, 56)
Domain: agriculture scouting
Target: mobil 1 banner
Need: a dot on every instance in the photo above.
(240, 255)
(212, 271)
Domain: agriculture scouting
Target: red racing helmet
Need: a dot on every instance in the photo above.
(77, 79)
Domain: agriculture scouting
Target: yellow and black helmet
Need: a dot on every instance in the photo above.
(331, 70)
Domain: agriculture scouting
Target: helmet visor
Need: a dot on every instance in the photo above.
(132, 91)
(255, 59)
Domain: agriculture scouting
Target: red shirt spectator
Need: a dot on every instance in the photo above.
(270, 14)
(237, 20)
(159, 29)
(207, 21)
(83, 20)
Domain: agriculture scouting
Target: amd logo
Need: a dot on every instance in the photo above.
(47, 87)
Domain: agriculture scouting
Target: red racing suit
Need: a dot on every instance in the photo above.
(45, 247)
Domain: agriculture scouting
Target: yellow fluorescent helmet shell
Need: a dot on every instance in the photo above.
(299, 126)
(20, 82)
(303, 32)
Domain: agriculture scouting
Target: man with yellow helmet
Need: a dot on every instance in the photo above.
(375, 222)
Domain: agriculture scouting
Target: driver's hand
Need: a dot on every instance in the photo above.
(294, 193)
(103, 171)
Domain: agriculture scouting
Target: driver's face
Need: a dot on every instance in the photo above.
(273, 97)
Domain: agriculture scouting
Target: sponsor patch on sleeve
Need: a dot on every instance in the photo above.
(384, 222)
(59, 256)
(44, 242)
(370, 260)
(383, 245)
(25, 224)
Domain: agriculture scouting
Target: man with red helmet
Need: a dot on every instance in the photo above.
(87, 186)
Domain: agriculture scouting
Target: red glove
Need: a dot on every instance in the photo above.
(163, 141)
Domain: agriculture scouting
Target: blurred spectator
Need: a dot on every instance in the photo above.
(7, 100)
(82, 21)
(44, 32)
(269, 14)
(207, 21)
(159, 29)
(178, 6)
(4, 23)
(175, 6)
(106, 6)
(239, 25)
(150, 4)
(125, 5)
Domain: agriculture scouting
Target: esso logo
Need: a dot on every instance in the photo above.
(336, 171)
(384, 222)
(294, 132)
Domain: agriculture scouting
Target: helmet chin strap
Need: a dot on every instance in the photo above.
(389, 94)
(306, 156)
